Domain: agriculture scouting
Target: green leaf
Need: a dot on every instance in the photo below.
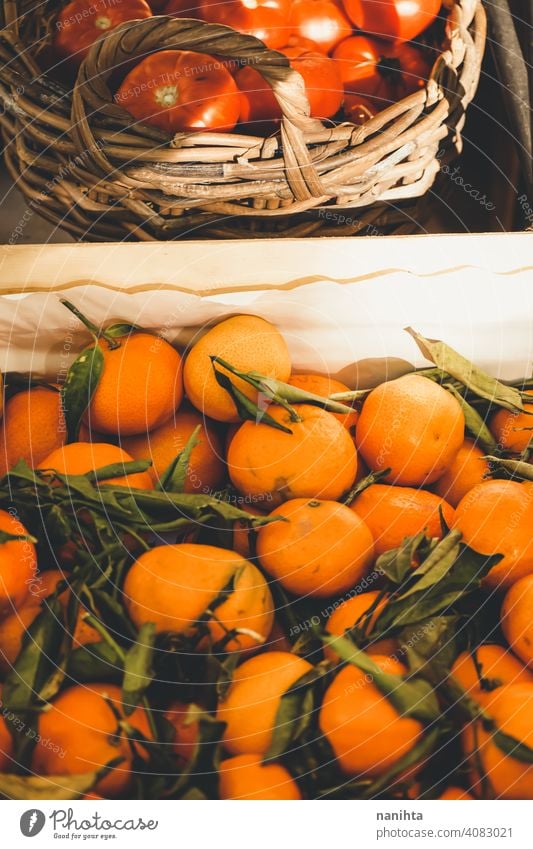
(247, 410)
(202, 767)
(112, 506)
(138, 672)
(449, 574)
(225, 676)
(475, 424)
(40, 788)
(15, 382)
(512, 747)
(69, 619)
(121, 328)
(37, 661)
(294, 714)
(516, 468)
(175, 475)
(5, 536)
(82, 379)
(397, 564)
(95, 662)
(277, 389)
(115, 470)
(194, 795)
(415, 698)
(477, 380)
(363, 484)
(437, 564)
(21, 474)
(430, 647)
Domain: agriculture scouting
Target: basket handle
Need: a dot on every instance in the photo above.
(136, 39)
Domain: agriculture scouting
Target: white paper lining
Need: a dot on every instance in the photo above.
(353, 330)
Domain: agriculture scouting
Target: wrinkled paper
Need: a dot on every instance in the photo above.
(353, 330)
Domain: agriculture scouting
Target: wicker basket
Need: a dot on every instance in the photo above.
(84, 164)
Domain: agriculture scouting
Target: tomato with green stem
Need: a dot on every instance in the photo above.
(80, 23)
(181, 91)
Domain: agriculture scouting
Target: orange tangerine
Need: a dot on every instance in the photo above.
(496, 517)
(511, 430)
(205, 470)
(316, 460)
(247, 777)
(33, 426)
(140, 387)
(498, 667)
(352, 611)
(80, 733)
(395, 512)
(175, 586)
(412, 426)
(253, 699)
(364, 729)
(323, 385)
(18, 562)
(516, 619)
(467, 469)
(452, 793)
(510, 710)
(248, 343)
(320, 549)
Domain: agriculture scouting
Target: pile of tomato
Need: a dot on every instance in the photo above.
(356, 57)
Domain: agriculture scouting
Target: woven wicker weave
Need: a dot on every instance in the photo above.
(83, 163)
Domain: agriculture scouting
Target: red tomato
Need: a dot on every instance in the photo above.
(323, 87)
(295, 40)
(379, 70)
(181, 91)
(399, 20)
(323, 21)
(268, 20)
(176, 8)
(358, 110)
(81, 22)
